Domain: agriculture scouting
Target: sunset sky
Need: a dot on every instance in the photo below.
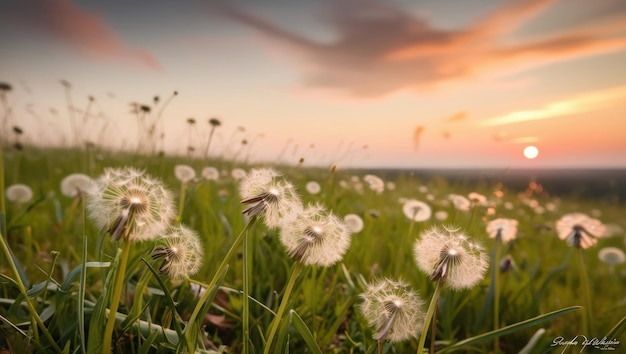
(356, 83)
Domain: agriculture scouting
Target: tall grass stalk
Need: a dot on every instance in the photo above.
(434, 301)
(115, 299)
(193, 322)
(584, 289)
(34, 315)
(283, 305)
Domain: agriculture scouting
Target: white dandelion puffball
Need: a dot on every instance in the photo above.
(579, 230)
(375, 183)
(210, 173)
(477, 198)
(75, 185)
(237, 174)
(447, 255)
(441, 215)
(612, 256)
(503, 229)
(315, 237)
(266, 194)
(19, 193)
(353, 222)
(393, 310)
(184, 173)
(459, 202)
(313, 187)
(128, 203)
(416, 210)
(180, 249)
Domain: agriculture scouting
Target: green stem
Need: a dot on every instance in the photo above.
(181, 201)
(584, 285)
(31, 308)
(429, 316)
(496, 300)
(283, 305)
(205, 296)
(246, 293)
(117, 293)
(3, 210)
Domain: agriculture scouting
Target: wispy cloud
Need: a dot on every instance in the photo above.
(84, 31)
(584, 103)
(379, 48)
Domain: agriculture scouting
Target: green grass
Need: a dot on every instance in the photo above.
(322, 313)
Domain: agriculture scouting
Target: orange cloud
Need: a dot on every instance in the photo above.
(84, 31)
(584, 103)
(379, 48)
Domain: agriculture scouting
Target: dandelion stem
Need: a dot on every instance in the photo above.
(283, 305)
(584, 284)
(429, 316)
(31, 308)
(246, 293)
(181, 201)
(3, 210)
(205, 296)
(496, 300)
(115, 299)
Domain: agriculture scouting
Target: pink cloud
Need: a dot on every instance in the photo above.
(379, 48)
(85, 31)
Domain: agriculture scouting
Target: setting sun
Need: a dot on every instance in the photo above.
(531, 152)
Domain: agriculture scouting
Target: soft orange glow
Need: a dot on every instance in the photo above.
(584, 103)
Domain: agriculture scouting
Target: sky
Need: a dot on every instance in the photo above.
(352, 83)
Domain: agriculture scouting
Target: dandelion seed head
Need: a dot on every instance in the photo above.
(477, 198)
(459, 202)
(75, 184)
(441, 215)
(353, 222)
(612, 256)
(210, 173)
(393, 310)
(237, 174)
(184, 173)
(19, 193)
(447, 254)
(579, 230)
(315, 237)
(416, 210)
(503, 229)
(181, 253)
(313, 187)
(266, 194)
(129, 203)
(375, 183)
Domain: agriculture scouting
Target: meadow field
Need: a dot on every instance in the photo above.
(68, 286)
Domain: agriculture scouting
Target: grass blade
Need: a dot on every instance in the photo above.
(304, 331)
(509, 329)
